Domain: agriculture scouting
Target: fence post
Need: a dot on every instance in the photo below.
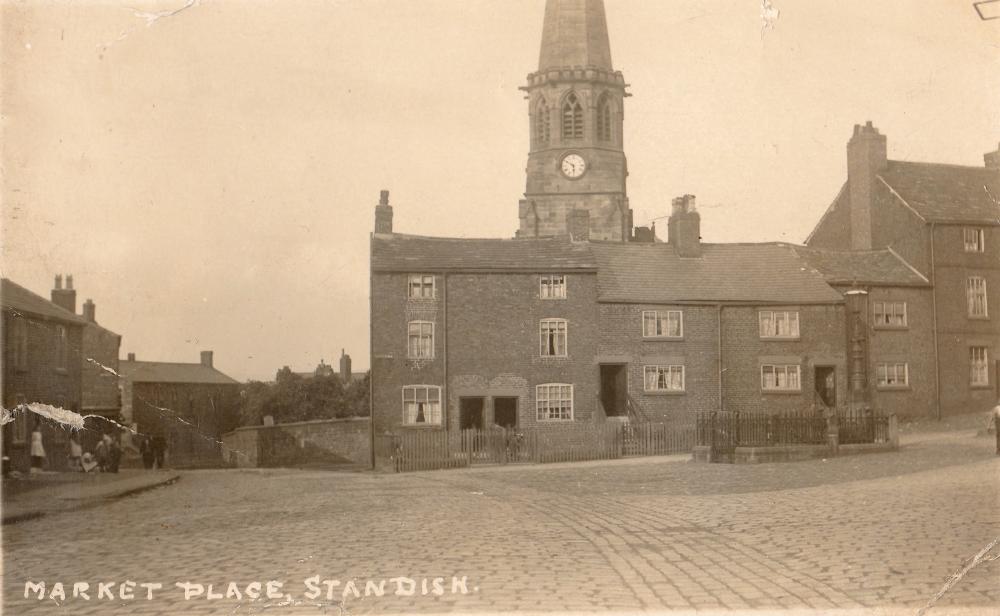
(833, 434)
(893, 431)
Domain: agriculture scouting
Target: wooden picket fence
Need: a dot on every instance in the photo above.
(439, 449)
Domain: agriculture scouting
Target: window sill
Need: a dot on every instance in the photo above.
(893, 388)
(428, 426)
(552, 299)
(781, 338)
(663, 338)
(891, 327)
(553, 357)
(422, 300)
(980, 386)
(60, 370)
(983, 317)
(553, 421)
(425, 359)
(665, 393)
(781, 392)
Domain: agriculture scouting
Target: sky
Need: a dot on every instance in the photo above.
(207, 170)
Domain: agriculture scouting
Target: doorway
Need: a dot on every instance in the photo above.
(470, 416)
(614, 388)
(825, 382)
(505, 412)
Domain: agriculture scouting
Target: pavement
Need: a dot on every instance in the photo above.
(881, 533)
(39, 495)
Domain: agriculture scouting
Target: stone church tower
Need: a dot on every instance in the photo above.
(576, 165)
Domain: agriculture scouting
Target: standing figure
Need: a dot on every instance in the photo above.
(159, 450)
(146, 450)
(996, 424)
(114, 453)
(75, 452)
(37, 449)
(101, 453)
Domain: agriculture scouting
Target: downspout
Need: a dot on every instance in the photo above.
(934, 313)
(722, 401)
(371, 352)
(444, 326)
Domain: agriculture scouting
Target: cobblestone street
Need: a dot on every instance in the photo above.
(882, 530)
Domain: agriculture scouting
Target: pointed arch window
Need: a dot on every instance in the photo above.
(542, 124)
(572, 117)
(604, 118)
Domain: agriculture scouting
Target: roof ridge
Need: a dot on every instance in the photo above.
(59, 308)
(931, 164)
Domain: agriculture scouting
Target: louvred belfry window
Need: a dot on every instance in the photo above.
(604, 118)
(572, 118)
(542, 122)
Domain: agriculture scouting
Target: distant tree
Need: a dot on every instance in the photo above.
(294, 398)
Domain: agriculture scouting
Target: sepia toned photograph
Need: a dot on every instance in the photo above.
(343, 307)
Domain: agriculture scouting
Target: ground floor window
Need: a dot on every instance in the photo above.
(892, 375)
(979, 363)
(554, 402)
(421, 405)
(663, 378)
(780, 377)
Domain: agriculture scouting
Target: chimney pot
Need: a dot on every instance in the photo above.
(992, 159)
(90, 311)
(69, 281)
(383, 214)
(131, 356)
(684, 227)
(58, 284)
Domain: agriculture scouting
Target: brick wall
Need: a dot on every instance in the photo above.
(196, 415)
(821, 343)
(621, 341)
(493, 343)
(833, 232)
(957, 331)
(100, 392)
(897, 226)
(325, 442)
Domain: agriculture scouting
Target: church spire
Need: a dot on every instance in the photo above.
(575, 34)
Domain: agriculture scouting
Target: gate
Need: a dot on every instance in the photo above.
(719, 431)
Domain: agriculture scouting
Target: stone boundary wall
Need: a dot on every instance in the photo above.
(318, 443)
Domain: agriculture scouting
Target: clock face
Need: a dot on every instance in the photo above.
(573, 166)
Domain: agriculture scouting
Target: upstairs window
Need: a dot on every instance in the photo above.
(542, 124)
(572, 117)
(663, 378)
(890, 314)
(554, 402)
(62, 347)
(604, 118)
(975, 291)
(420, 340)
(779, 324)
(553, 338)
(979, 364)
(780, 377)
(892, 374)
(19, 343)
(975, 239)
(420, 286)
(422, 405)
(662, 324)
(552, 286)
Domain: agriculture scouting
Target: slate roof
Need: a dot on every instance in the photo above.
(15, 297)
(946, 193)
(877, 267)
(759, 273)
(167, 372)
(414, 253)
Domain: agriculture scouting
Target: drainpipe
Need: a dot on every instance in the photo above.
(444, 325)
(722, 401)
(934, 313)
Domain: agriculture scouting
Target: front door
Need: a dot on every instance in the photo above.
(505, 412)
(470, 416)
(614, 388)
(825, 382)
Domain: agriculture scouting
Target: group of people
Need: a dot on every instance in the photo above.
(106, 456)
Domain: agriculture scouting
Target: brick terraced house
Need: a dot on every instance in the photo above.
(582, 317)
(944, 222)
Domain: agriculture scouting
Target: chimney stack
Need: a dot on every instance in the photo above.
(383, 214)
(64, 298)
(345, 366)
(992, 159)
(206, 358)
(684, 227)
(90, 311)
(131, 357)
(866, 157)
(578, 224)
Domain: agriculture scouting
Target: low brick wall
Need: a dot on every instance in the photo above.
(320, 443)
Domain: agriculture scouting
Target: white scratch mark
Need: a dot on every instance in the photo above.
(102, 366)
(956, 577)
(152, 17)
(769, 15)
